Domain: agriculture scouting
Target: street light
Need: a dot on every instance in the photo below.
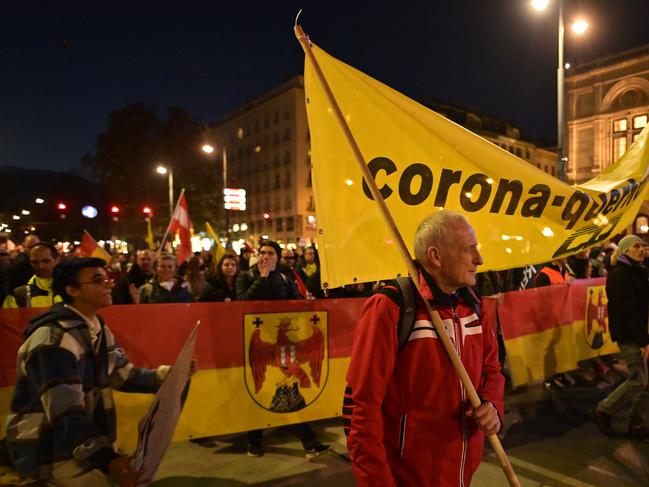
(579, 27)
(209, 149)
(170, 178)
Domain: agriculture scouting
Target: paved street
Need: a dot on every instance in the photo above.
(549, 438)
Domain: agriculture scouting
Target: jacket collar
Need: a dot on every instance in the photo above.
(438, 298)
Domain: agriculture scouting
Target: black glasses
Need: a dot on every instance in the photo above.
(99, 281)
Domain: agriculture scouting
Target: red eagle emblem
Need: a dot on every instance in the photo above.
(287, 355)
(597, 313)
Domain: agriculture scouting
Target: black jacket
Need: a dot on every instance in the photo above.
(217, 289)
(627, 288)
(252, 287)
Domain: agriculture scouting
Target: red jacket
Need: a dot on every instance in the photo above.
(404, 411)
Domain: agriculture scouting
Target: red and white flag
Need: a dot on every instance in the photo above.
(180, 224)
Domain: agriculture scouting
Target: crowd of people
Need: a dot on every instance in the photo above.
(36, 275)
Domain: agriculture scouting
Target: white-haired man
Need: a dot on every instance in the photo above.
(406, 414)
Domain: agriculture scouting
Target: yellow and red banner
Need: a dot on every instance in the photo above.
(548, 330)
(271, 363)
(422, 162)
(260, 364)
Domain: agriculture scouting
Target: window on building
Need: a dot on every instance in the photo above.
(553, 172)
(277, 183)
(287, 115)
(276, 117)
(527, 153)
(620, 125)
(641, 224)
(538, 165)
(287, 134)
(545, 168)
(619, 147)
(640, 122)
(635, 136)
(287, 157)
(511, 149)
(288, 178)
(288, 204)
(279, 224)
(519, 152)
(290, 224)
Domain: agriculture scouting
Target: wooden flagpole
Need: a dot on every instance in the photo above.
(407, 259)
(164, 239)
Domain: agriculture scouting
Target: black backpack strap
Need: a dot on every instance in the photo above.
(407, 311)
(403, 293)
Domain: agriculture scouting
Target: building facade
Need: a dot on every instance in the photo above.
(267, 147)
(607, 106)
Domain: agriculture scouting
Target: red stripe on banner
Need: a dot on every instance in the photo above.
(152, 334)
(532, 311)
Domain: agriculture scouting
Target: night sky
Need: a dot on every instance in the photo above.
(66, 66)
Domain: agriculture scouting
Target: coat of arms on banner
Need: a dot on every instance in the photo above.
(596, 329)
(287, 358)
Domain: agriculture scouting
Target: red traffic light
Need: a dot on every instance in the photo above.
(61, 206)
(147, 211)
(114, 209)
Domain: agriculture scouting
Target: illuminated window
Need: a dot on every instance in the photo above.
(640, 122)
(642, 224)
(620, 125)
(635, 136)
(619, 147)
(240, 133)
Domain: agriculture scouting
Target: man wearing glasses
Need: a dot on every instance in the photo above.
(62, 422)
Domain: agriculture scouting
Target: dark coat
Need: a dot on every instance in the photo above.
(627, 289)
(152, 292)
(252, 287)
(217, 289)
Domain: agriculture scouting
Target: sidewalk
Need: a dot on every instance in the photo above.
(223, 462)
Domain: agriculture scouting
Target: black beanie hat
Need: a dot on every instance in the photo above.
(273, 244)
(65, 272)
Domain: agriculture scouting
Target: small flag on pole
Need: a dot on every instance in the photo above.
(180, 224)
(90, 248)
(301, 287)
(217, 249)
(149, 235)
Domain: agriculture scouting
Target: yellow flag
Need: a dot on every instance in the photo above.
(150, 241)
(217, 249)
(421, 161)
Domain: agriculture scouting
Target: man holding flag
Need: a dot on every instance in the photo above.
(405, 411)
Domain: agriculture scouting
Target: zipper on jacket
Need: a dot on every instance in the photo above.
(402, 434)
(458, 335)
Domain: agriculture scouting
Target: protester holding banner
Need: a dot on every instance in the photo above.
(264, 282)
(627, 288)
(165, 286)
(62, 423)
(405, 411)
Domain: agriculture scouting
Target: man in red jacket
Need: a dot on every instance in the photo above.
(407, 415)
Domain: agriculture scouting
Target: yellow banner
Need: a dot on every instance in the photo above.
(421, 161)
